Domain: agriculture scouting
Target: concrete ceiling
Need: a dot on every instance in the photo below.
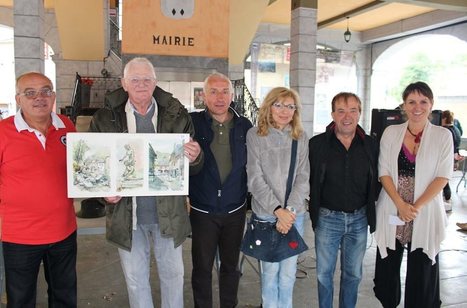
(371, 18)
(363, 14)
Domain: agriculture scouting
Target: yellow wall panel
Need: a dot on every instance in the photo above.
(81, 29)
(205, 32)
(245, 17)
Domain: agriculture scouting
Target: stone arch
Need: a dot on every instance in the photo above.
(447, 80)
(458, 31)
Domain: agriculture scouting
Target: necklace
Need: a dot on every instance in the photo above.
(418, 136)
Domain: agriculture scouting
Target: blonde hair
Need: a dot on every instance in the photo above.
(265, 120)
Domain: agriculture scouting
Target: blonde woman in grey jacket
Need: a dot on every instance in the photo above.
(269, 152)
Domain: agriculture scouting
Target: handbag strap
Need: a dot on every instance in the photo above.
(293, 159)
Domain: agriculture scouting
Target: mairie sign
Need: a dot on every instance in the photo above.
(176, 27)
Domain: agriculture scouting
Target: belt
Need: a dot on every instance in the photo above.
(357, 211)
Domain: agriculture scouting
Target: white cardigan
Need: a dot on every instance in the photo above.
(434, 159)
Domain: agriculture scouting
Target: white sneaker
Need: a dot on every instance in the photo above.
(447, 205)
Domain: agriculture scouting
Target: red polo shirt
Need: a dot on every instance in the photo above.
(34, 207)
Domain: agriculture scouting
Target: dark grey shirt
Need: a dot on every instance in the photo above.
(146, 206)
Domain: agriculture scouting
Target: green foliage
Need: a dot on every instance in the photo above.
(419, 68)
(459, 60)
(78, 152)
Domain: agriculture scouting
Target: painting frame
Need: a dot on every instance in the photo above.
(115, 164)
(197, 100)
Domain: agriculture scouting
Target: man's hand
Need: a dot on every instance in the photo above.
(192, 150)
(112, 200)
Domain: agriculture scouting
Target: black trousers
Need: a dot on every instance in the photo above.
(421, 283)
(22, 264)
(210, 232)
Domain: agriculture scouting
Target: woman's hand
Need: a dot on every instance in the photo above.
(407, 212)
(285, 220)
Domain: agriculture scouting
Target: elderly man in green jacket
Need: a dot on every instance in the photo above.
(134, 222)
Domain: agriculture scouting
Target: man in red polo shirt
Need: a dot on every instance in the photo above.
(38, 222)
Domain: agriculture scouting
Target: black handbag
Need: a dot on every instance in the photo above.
(262, 240)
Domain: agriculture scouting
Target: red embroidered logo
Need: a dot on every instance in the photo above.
(293, 244)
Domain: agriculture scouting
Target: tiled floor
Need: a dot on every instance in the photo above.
(101, 282)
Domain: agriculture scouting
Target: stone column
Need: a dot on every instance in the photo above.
(29, 35)
(236, 71)
(303, 37)
(254, 50)
(363, 65)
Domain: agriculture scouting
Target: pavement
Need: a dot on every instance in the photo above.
(101, 282)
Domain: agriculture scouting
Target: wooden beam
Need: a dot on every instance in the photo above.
(312, 4)
(419, 23)
(446, 5)
(357, 11)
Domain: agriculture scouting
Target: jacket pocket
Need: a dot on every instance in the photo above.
(119, 223)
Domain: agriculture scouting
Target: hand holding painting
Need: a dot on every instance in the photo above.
(112, 200)
(192, 150)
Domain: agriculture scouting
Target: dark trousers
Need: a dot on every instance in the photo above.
(22, 263)
(209, 233)
(421, 283)
(447, 192)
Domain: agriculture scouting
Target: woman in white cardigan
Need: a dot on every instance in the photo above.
(415, 163)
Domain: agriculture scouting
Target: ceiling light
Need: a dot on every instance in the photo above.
(347, 34)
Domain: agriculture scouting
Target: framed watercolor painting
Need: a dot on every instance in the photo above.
(113, 164)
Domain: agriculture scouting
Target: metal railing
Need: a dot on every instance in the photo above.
(115, 42)
(244, 103)
(88, 94)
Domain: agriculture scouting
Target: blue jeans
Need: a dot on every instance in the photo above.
(349, 232)
(278, 278)
(136, 268)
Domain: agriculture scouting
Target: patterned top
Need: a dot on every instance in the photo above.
(406, 185)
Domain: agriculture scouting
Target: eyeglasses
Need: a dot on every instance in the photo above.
(33, 93)
(216, 92)
(290, 107)
(146, 81)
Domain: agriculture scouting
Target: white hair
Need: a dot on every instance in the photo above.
(138, 60)
(217, 76)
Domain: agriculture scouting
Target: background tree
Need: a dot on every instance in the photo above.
(420, 68)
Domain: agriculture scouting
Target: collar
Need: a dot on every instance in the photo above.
(21, 124)
(226, 123)
(286, 130)
(332, 126)
(133, 109)
(208, 116)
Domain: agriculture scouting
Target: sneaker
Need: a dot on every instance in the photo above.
(447, 205)
(461, 225)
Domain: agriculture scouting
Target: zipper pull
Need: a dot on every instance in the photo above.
(219, 193)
